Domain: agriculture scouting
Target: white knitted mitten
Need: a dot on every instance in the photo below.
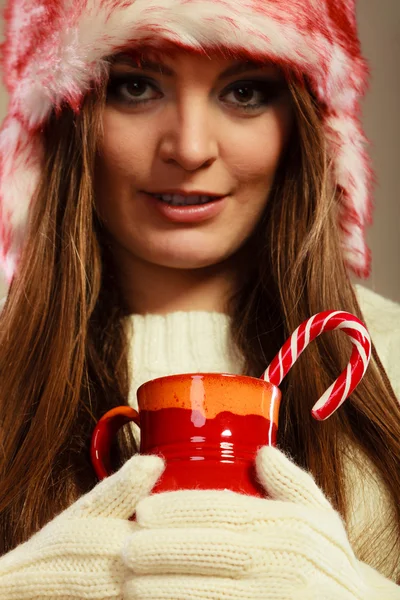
(226, 546)
(78, 554)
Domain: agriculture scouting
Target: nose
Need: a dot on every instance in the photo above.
(189, 139)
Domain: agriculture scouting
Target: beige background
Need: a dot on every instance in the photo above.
(379, 22)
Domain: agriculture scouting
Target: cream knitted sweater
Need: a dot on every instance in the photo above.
(183, 342)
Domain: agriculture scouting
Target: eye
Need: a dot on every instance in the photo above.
(252, 95)
(131, 89)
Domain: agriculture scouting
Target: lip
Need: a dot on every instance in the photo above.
(188, 193)
(187, 214)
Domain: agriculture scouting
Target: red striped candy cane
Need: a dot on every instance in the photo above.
(350, 377)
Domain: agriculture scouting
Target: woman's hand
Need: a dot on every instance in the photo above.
(223, 545)
(78, 554)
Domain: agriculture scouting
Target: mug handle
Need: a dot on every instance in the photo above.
(105, 431)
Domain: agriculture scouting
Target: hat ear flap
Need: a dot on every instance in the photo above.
(353, 176)
(20, 167)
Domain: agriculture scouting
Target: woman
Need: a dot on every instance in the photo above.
(121, 115)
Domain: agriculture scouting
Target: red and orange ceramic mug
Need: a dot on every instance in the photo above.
(207, 426)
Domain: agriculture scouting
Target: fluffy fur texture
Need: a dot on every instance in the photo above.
(54, 49)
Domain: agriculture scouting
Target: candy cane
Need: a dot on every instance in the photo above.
(350, 377)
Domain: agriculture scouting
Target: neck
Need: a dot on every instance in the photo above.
(149, 288)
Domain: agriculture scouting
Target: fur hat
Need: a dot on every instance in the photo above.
(55, 49)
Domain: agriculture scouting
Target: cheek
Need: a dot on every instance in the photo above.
(254, 151)
(122, 151)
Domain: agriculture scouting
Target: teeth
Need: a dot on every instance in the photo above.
(178, 200)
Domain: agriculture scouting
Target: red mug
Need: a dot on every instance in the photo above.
(207, 426)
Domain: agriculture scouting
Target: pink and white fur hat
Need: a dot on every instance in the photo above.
(55, 49)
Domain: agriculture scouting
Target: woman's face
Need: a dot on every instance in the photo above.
(188, 130)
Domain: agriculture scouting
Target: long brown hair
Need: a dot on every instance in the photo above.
(63, 351)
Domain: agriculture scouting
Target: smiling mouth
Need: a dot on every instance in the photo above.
(180, 200)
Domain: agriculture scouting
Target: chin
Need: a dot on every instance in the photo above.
(186, 263)
(186, 260)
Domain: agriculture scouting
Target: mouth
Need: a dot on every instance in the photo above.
(185, 200)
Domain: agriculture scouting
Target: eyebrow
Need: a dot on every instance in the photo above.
(161, 68)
